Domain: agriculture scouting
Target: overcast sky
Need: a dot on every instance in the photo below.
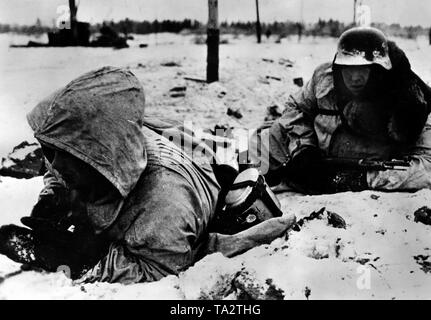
(405, 12)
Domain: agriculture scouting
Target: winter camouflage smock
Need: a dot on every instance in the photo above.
(312, 118)
(157, 219)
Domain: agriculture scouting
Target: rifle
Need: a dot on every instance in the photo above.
(367, 164)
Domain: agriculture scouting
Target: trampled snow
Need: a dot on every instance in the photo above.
(376, 256)
(382, 253)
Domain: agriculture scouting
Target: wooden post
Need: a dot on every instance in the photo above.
(73, 25)
(213, 40)
(354, 12)
(258, 27)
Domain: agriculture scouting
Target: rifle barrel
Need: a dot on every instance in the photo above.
(380, 165)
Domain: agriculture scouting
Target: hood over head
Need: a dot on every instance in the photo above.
(97, 118)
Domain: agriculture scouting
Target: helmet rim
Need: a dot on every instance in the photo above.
(363, 46)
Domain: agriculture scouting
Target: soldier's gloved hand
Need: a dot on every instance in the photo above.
(349, 180)
(309, 154)
(308, 172)
(26, 246)
(48, 230)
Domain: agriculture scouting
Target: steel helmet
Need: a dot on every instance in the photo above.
(363, 46)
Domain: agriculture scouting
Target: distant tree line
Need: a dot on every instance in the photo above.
(34, 29)
(127, 26)
(396, 30)
(329, 28)
(325, 28)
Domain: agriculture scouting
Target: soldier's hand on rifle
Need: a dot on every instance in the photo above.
(349, 180)
(307, 170)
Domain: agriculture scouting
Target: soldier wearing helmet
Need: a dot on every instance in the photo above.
(366, 104)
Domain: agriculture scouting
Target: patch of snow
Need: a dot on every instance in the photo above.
(373, 258)
(17, 198)
(21, 153)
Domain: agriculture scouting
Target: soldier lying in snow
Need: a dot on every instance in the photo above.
(140, 207)
(367, 104)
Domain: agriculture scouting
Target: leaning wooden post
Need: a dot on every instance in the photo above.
(213, 39)
(258, 27)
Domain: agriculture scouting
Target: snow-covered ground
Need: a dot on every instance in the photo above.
(373, 258)
(376, 257)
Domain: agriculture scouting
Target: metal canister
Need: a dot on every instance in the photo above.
(250, 201)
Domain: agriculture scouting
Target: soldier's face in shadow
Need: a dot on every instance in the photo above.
(355, 78)
(76, 174)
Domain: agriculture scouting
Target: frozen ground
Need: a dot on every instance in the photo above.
(381, 254)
